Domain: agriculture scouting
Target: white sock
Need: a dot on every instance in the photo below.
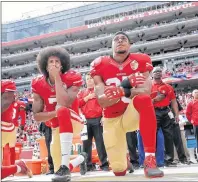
(77, 161)
(147, 154)
(18, 169)
(66, 144)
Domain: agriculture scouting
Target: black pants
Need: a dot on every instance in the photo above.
(95, 130)
(196, 134)
(48, 139)
(166, 124)
(178, 142)
(132, 146)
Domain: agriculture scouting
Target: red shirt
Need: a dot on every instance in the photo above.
(112, 73)
(41, 87)
(91, 108)
(166, 101)
(17, 105)
(192, 112)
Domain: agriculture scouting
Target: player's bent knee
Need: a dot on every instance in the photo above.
(139, 99)
(119, 169)
(62, 111)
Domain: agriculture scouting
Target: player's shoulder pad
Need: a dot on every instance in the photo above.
(37, 82)
(72, 77)
(96, 65)
(145, 61)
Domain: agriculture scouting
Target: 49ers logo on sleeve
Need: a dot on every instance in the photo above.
(134, 65)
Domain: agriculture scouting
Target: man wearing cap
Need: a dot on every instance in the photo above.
(162, 95)
(122, 86)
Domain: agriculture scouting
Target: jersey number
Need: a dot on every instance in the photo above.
(115, 81)
(14, 114)
(52, 100)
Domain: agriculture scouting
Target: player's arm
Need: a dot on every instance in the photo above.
(144, 88)
(65, 96)
(7, 98)
(99, 90)
(37, 107)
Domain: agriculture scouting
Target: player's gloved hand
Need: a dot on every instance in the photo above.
(133, 80)
(164, 89)
(136, 79)
(113, 92)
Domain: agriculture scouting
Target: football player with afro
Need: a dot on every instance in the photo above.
(55, 101)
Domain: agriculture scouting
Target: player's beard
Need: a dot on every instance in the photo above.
(121, 51)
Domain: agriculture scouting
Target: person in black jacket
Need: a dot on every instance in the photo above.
(47, 132)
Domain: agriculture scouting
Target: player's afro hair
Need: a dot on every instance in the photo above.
(47, 52)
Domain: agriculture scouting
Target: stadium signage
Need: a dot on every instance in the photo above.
(142, 15)
(108, 22)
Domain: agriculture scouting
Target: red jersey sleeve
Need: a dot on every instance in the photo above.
(171, 93)
(146, 63)
(96, 67)
(72, 78)
(35, 85)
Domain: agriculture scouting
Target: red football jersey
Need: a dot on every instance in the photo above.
(9, 114)
(113, 73)
(17, 105)
(48, 94)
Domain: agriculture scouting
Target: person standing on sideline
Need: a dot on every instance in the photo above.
(162, 95)
(93, 113)
(192, 113)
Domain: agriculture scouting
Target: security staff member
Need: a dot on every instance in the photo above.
(92, 111)
(45, 128)
(162, 95)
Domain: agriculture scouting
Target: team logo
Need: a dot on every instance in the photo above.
(15, 104)
(52, 89)
(134, 65)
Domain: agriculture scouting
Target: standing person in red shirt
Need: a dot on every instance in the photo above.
(19, 111)
(93, 113)
(192, 113)
(123, 87)
(162, 95)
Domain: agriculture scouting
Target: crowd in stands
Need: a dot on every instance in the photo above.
(128, 30)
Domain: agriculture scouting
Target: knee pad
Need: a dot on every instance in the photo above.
(142, 101)
(64, 119)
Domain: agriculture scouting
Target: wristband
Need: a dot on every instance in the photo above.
(127, 92)
(126, 83)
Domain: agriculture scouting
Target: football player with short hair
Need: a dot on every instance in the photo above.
(123, 87)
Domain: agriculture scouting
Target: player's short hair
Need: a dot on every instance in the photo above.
(120, 32)
(58, 52)
(157, 68)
